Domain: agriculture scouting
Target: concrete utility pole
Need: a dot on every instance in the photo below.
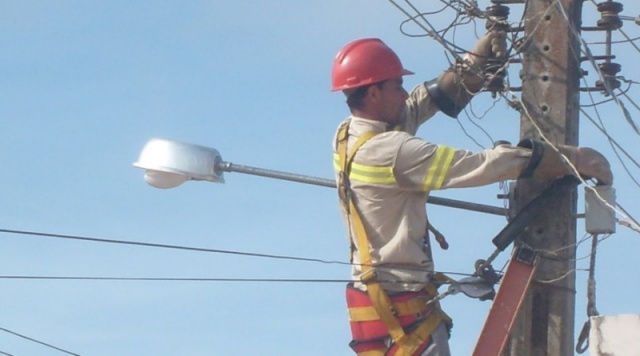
(550, 93)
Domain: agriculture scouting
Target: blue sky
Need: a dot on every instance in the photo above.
(85, 84)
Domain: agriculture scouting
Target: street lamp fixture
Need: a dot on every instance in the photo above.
(168, 164)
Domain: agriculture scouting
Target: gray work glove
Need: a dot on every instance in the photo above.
(492, 45)
(461, 82)
(590, 163)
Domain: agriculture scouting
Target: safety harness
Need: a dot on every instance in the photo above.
(375, 316)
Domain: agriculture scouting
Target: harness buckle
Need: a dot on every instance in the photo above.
(344, 188)
(369, 276)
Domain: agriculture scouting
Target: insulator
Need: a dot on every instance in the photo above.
(498, 11)
(609, 18)
(497, 16)
(608, 82)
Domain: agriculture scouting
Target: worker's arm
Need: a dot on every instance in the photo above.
(424, 166)
(452, 90)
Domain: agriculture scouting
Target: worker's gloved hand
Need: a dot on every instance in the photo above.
(547, 162)
(492, 45)
(456, 86)
(593, 164)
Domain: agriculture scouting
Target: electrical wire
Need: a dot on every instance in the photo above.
(473, 12)
(616, 42)
(200, 249)
(593, 104)
(466, 133)
(615, 146)
(183, 279)
(413, 19)
(480, 117)
(635, 225)
(630, 40)
(38, 342)
(208, 279)
(175, 247)
(429, 29)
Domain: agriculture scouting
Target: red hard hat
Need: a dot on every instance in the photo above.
(363, 62)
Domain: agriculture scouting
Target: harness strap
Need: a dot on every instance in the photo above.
(407, 344)
(422, 333)
(410, 307)
(406, 304)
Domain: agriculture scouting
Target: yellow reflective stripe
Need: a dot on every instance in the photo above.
(372, 174)
(372, 353)
(439, 168)
(367, 174)
(363, 314)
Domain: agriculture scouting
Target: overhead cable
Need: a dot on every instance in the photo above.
(199, 249)
(175, 247)
(180, 279)
(38, 342)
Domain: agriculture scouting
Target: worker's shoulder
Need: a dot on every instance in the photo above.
(394, 136)
(387, 141)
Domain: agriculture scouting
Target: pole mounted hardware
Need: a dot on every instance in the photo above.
(608, 82)
(609, 21)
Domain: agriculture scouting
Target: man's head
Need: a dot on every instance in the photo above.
(370, 75)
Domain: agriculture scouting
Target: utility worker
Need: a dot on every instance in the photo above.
(385, 173)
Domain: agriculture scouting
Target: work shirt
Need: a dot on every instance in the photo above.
(391, 177)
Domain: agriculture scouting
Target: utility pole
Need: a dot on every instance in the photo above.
(550, 96)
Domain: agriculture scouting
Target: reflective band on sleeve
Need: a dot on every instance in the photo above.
(368, 174)
(439, 168)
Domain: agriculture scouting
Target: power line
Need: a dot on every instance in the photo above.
(199, 249)
(206, 279)
(183, 279)
(210, 279)
(174, 247)
(38, 342)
